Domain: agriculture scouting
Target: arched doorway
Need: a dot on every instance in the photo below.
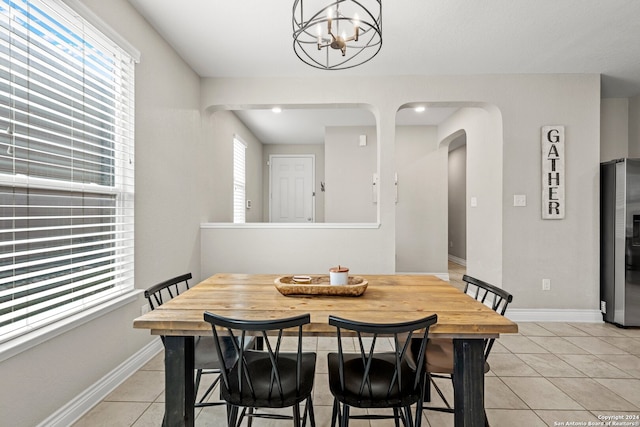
(423, 235)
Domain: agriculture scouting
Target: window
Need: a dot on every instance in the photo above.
(239, 181)
(66, 166)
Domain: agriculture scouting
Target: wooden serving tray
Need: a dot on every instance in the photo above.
(320, 285)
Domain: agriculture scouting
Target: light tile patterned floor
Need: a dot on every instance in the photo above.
(549, 374)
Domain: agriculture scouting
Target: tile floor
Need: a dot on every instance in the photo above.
(549, 374)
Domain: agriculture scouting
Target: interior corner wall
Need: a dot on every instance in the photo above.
(634, 127)
(457, 197)
(614, 129)
(170, 160)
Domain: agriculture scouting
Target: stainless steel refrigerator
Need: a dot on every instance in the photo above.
(620, 242)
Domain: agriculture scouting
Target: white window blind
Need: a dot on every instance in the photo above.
(239, 181)
(66, 166)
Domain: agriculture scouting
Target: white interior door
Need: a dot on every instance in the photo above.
(291, 185)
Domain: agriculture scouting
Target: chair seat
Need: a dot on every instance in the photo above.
(381, 374)
(440, 356)
(259, 369)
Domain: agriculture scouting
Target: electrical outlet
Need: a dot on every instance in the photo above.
(546, 284)
(603, 307)
(144, 309)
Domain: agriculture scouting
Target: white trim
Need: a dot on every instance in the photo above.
(441, 276)
(553, 315)
(85, 401)
(24, 342)
(277, 225)
(82, 10)
(457, 260)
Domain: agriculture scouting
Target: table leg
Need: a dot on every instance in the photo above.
(468, 382)
(179, 382)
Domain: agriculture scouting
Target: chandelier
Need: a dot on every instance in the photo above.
(337, 34)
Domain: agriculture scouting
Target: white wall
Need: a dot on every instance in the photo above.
(285, 249)
(457, 191)
(484, 184)
(614, 131)
(564, 251)
(421, 210)
(523, 248)
(504, 160)
(170, 180)
(349, 170)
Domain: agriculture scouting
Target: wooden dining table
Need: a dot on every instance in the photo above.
(387, 298)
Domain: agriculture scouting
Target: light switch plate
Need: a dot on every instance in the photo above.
(519, 200)
(474, 202)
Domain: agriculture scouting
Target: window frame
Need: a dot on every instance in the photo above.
(239, 180)
(84, 23)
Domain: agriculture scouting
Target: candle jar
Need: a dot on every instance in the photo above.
(339, 275)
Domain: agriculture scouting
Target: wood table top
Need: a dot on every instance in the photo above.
(387, 299)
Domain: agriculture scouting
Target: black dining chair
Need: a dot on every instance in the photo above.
(381, 372)
(439, 356)
(206, 360)
(271, 377)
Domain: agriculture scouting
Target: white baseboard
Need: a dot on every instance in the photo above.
(89, 398)
(554, 315)
(457, 260)
(441, 276)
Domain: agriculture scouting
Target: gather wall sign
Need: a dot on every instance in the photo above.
(553, 196)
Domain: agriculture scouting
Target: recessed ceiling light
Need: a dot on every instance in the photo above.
(419, 109)
(276, 110)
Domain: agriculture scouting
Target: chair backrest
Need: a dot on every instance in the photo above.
(164, 291)
(395, 366)
(240, 378)
(496, 298)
